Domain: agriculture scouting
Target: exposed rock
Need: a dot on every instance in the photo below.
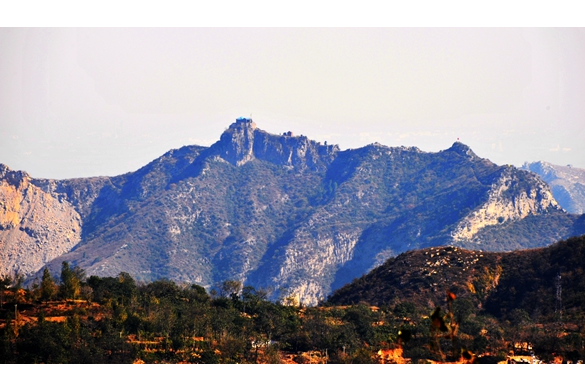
(514, 196)
(243, 142)
(280, 212)
(35, 227)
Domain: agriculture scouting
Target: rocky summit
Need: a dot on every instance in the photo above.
(280, 212)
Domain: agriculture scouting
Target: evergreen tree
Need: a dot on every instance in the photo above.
(70, 284)
(48, 287)
(4, 284)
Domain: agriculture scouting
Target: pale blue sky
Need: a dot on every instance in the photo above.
(87, 102)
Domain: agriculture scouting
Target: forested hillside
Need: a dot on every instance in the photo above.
(440, 304)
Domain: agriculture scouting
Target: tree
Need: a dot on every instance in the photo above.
(48, 287)
(126, 288)
(70, 284)
(4, 284)
(231, 288)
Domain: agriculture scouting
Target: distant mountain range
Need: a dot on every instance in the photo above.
(567, 184)
(274, 211)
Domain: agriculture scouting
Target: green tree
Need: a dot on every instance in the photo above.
(48, 287)
(231, 288)
(70, 284)
(4, 284)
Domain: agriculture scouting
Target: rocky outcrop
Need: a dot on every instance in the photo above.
(515, 195)
(35, 227)
(311, 259)
(243, 142)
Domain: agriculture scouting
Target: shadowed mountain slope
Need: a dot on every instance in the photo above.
(281, 212)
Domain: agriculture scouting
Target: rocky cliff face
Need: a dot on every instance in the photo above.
(35, 226)
(567, 184)
(280, 212)
(512, 197)
(243, 142)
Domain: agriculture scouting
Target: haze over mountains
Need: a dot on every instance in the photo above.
(275, 211)
(567, 184)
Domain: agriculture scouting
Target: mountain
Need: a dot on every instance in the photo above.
(567, 184)
(274, 211)
(41, 219)
(541, 281)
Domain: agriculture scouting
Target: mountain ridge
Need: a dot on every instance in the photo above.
(287, 213)
(567, 183)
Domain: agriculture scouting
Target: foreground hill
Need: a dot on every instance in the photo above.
(274, 211)
(116, 320)
(567, 184)
(543, 282)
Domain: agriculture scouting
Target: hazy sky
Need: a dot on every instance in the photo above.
(88, 102)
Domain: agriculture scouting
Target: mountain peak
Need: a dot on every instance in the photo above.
(4, 169)
(237, 142)
(243, 123)
(15, 178)
(462, 149)
(243, 141)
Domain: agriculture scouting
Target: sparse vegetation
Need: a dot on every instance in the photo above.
(413, 320)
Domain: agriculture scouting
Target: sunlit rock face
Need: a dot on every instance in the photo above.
(274, 211)
(35, 227)
(515, 195)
